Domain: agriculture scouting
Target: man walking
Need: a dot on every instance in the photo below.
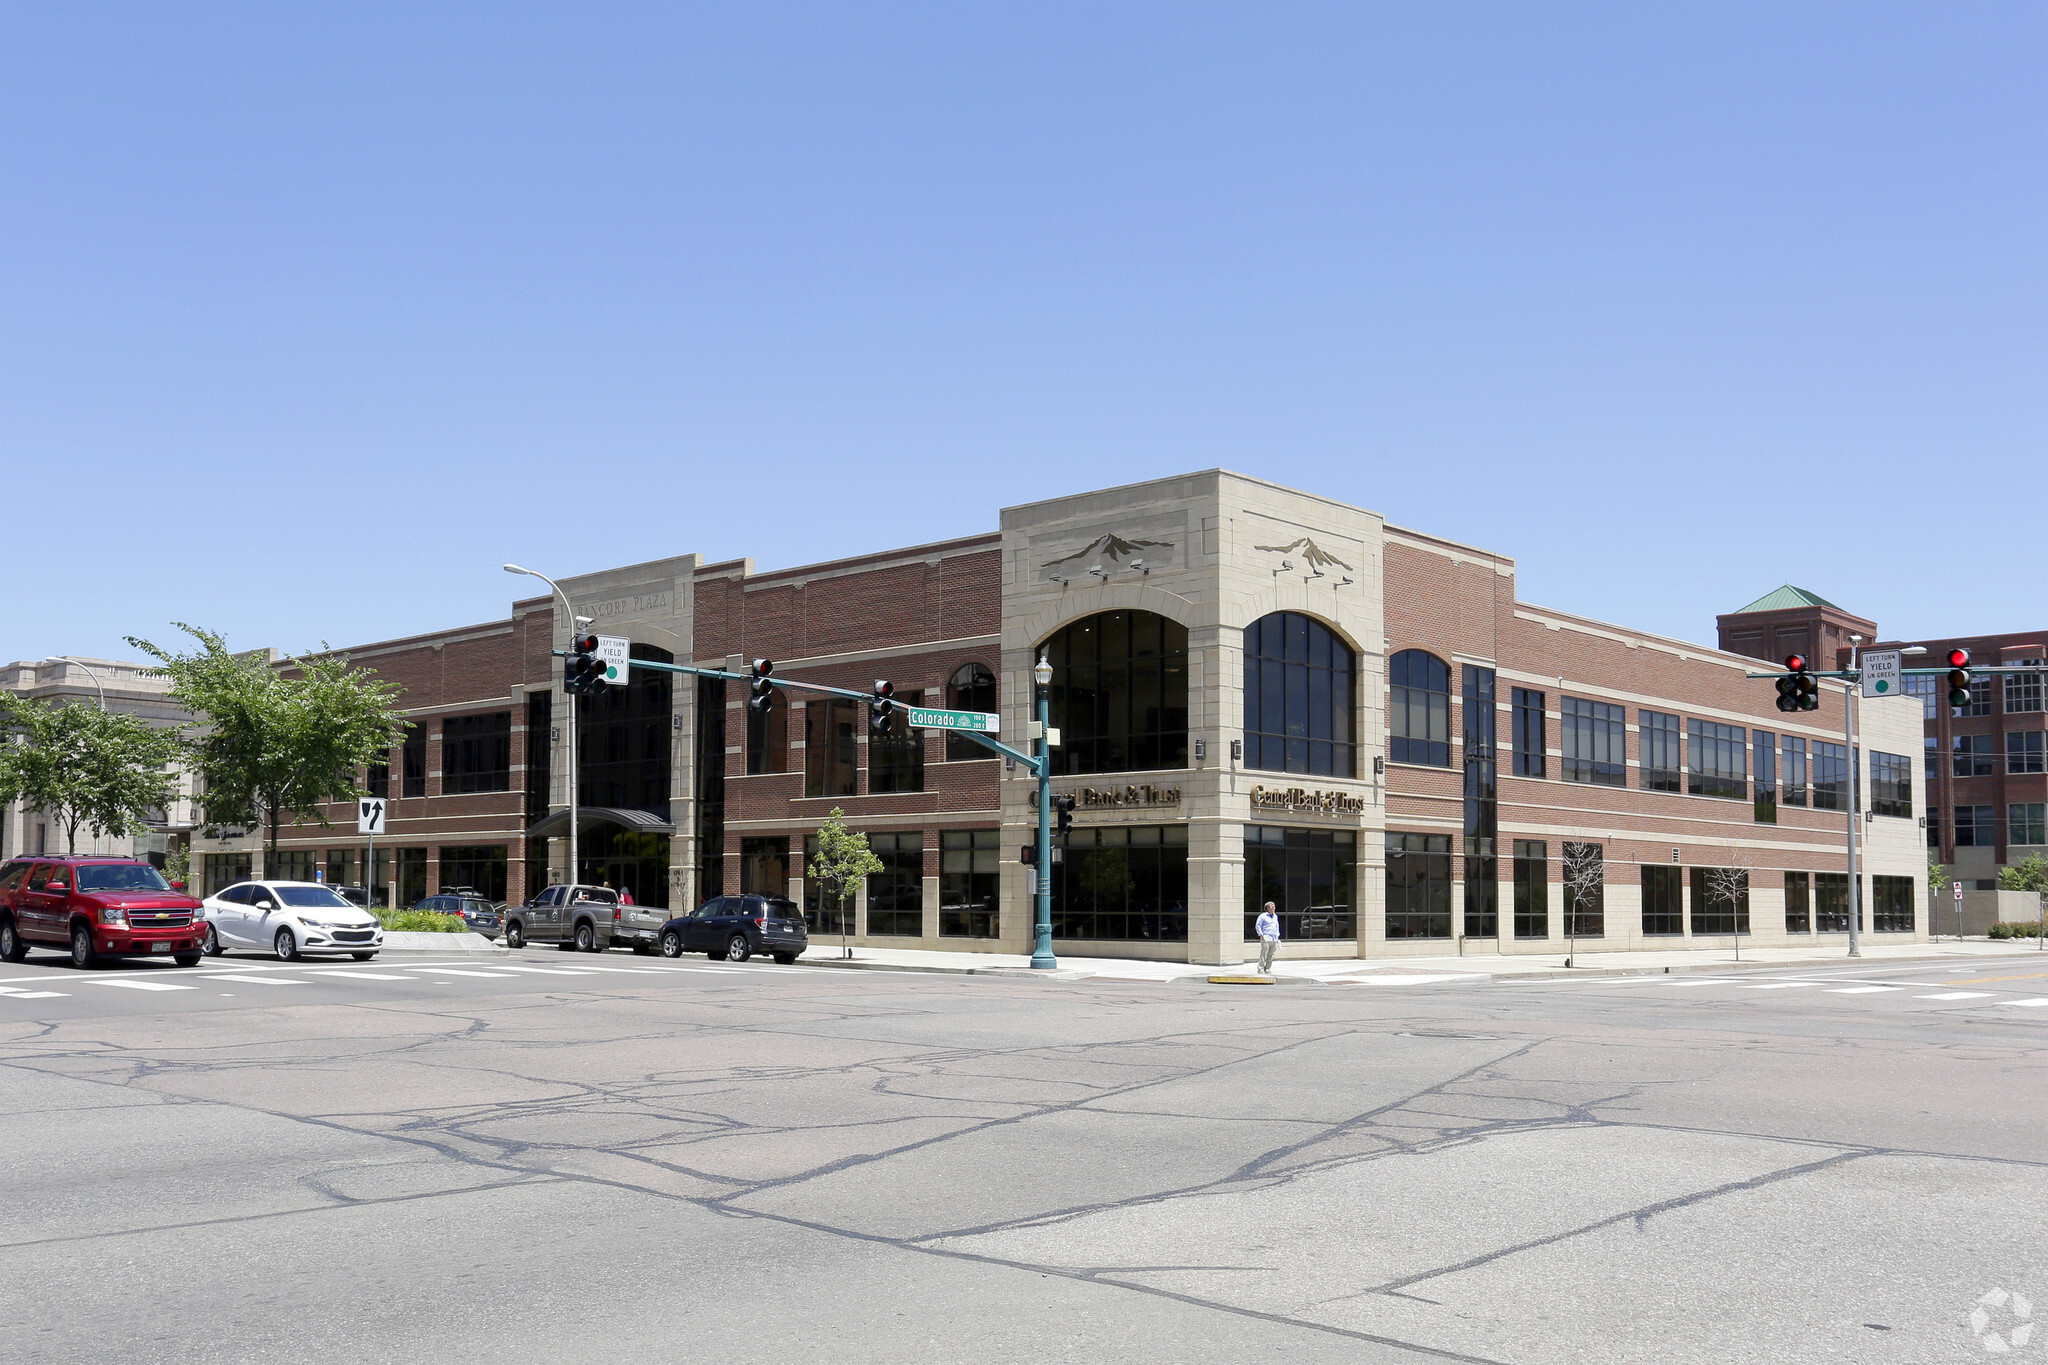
(1267, 927)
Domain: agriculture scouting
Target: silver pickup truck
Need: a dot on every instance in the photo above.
(587, 918)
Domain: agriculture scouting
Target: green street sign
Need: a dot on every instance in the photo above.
(930, 718)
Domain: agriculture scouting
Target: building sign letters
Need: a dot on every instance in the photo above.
(1301, 799)
(1142, 794)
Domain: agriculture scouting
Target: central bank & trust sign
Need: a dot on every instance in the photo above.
(1316, 802)
(1141, 794)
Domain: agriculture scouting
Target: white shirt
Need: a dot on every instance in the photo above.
(1268, 925)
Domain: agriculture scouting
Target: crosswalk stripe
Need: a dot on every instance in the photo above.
(2027, 1002)
(60, 995)
(258, 980)
(457, 971)
(142, 985)
(1956, 995)
(1862, 990)
(1776, 985)
(369, 976)
(552, 971)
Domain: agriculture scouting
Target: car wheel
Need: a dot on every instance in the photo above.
(12, 948)
(362, 957)
(737, 950)
(586, 938)
(785, 958)
(671, 944)
(186, 959)
(209, 943)
(287, 945)
(514, 936)
(83, 955)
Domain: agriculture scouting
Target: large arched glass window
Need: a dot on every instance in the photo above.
(971, 688)
(1297, 697)
(1419, 711)
(1120, 693)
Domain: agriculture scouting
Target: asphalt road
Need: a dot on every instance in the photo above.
(616, 1157)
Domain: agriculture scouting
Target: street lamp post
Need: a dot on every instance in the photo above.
(67, 659)
(1041, 953)
(1849, 691)
(575, 756)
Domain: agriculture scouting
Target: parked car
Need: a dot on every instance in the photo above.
(587, 918)
(290, 919)
(737, 927)
(480, 915)
(98, 907)
(358, 896)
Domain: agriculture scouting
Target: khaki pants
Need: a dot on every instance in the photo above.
(1266, 947)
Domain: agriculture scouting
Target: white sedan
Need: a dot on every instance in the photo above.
(289, 919)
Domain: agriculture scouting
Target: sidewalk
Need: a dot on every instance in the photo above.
(1417, 971)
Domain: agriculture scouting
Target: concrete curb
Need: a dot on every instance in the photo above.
(467, 943)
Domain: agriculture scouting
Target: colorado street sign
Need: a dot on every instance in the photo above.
(613, 651)
(1881, 676)
(988, 722)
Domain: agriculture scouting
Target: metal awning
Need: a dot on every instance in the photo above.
(556, 825)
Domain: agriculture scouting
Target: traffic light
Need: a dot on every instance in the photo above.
(1799, 690)
(584, 671)
(1063, 806)
(764, 691)
(881, 706)
(1959, 677)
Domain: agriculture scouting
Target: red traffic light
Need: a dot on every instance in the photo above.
(1959, 658)
(1795, 663)
(584, 644)
(763, 667)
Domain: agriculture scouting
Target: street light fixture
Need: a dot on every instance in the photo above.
(67, 659)
(575, 756)
(1041, 950)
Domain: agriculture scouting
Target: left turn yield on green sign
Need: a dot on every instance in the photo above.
(613, 652)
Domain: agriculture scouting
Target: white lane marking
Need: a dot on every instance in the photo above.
(551, 971)
(61, 995)
(2027, 1002)
(1861, 990)
(1955, 995)
(1393, 980)
(369, 976)
(1776, 985)
(1709, 981)
(457, 971)
(141, 985)
(259, 980)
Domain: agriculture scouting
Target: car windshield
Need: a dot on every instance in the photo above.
(121, 877)
(312, 898)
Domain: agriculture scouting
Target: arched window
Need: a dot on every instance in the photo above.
(1297, 697)
(1419, 713)
(1120, 693)
(971, 688)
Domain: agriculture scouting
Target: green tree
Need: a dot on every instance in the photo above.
(277, 742)
(107, 771)
(843, 860)
(2030, 875)
(1937, 878)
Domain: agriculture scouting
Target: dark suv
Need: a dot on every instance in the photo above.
(737, 927)
(98, 907)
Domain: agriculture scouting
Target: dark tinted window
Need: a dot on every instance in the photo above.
(476, 753)
(780, 907)
(13, 875)
(1297, 697)
(1419, 710)
(42, 875)
(121, 877)
(312, 898)
(829, 766)
(1120, 693)
(415, 762)
(971, 688)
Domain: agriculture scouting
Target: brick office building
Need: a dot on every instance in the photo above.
(1262, 695)
(1983, 764)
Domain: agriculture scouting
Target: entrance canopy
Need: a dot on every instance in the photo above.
(556, 825)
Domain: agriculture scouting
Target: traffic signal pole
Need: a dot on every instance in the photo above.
(1849, 691)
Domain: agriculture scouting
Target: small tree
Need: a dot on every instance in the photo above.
(1937, 878)
(2029, 875)
(842, 861)
(278, 744)
(83, 766)
(1729, 887)
(1585, 882)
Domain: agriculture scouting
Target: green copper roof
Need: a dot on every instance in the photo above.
(1784, 599)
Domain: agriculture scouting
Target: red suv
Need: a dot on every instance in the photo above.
(98, 907)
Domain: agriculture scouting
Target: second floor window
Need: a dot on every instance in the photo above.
(1297, 697)
(1419, 708)
(1661, 755)
(1593, 735)
(1792, 792)
(1891, 784)
(415, 759)
(1718, 764)
(829, 766)
(1528, 733)
(896, 756)
(476, 753)
(1830, 776)
(1976, 827)
(1120, 693)
(2023, 751)
(971, 688)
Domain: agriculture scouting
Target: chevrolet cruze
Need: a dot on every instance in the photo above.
(289, 919)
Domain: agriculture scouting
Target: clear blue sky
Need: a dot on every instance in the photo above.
(311, 315)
